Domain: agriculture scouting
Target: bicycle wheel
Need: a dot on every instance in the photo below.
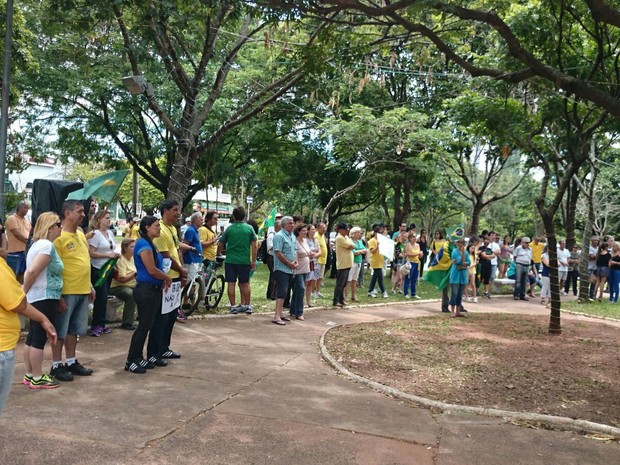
(194, 291)
(214, 292)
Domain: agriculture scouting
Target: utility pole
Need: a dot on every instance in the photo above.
(6, 87)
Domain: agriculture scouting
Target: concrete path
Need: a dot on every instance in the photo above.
(249, 392)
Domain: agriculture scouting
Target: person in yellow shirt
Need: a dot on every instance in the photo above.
(322, 260)
(124, 281)
(13, 301)
(376, 264)
(208, 238)
(537, 250)
(131, 230)
(168, 245)
(344, 261)
(77, 292)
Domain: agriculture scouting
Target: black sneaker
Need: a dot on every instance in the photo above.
(146, 364)
(157, 362)
(135, 367)
(61, 373)
(170, 354)
(78, 369)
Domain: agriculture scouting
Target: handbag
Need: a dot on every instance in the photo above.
(311, 265)
(405, 268)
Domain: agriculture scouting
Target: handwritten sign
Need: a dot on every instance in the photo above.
(172, 298)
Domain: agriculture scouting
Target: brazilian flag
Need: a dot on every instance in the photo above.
(439, 270)
(269, 222)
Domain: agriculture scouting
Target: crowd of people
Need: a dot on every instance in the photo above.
(63, 269)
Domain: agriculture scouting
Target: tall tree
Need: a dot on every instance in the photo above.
(200, 69)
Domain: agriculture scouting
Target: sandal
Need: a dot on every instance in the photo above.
(285, 318)
(278, 322)
(301, 318)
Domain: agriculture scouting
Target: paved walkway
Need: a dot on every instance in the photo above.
(250, 392)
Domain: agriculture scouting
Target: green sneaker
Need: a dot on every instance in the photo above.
(27, 380)
(45, 382)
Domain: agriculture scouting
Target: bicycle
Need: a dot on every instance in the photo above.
(207, 286)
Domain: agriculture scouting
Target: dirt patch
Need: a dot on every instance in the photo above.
(500, 361)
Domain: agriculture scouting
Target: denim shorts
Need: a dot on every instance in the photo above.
(602, 271)
(283, 282)
(7, 365)
(75, 320)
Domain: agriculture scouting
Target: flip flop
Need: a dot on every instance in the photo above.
(301, 318)
(278, 322)
(285, 318)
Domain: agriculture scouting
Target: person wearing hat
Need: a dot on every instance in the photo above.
(131, 230)
(185, 227)
(523, 260)
(344, 262)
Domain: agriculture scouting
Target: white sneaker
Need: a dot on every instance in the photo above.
(417, 297)
(372, 294)
(475, 300)
(319, 295)
(407, 297)
(385, 295)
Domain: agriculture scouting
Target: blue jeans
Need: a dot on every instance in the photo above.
(377, 277)
(299, 292)
(411, 280)
(614, 283)
(7, 365)
(456, 294)
(521, 280)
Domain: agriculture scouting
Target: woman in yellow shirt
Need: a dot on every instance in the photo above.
(124, 281)
(413, 254)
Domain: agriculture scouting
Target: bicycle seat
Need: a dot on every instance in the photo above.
(220, 259)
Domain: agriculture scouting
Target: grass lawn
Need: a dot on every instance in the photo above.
(604, 308)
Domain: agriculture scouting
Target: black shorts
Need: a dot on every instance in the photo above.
(283, 283)
(234, 273)
(485, 273)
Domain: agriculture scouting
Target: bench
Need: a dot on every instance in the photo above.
(113, 304)
(497, 283)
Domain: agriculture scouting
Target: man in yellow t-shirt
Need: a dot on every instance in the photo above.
(12, 302)
(167, 243)
(208, 239)
(537, 247)
(344, 261)
(77, 292)
(376, 264)
(322, 260)
(131, 231)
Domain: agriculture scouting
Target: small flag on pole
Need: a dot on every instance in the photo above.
(268, 222)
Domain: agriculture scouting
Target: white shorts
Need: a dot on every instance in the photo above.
(192, 270)
(354, 272)
(321, 270)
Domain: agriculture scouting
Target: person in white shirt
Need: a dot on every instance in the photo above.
(496, 248)
(563, 257)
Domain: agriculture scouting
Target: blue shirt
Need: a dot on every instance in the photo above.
(192, 236)
(142, 275)
(459, 276)
(284, 242)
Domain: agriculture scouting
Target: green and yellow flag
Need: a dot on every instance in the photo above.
(268, 222)
(103, 187)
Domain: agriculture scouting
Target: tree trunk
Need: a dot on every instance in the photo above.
(584, 275)
(475, 218)
(555, 326)
(571, 208)
(181, 174)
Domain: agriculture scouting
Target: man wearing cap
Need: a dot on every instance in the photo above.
(523, 261)
(185, 226)
(344, 261)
